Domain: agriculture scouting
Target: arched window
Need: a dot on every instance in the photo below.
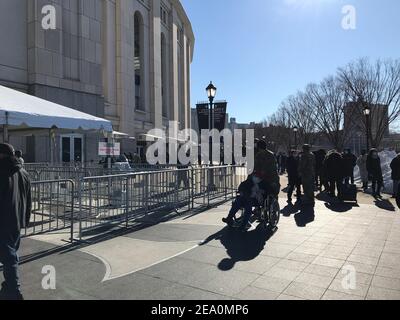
(138, 60)
(164, 81)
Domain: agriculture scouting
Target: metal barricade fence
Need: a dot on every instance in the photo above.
(151, 196)
(73, 196)
(53, 204)
(47, 172)
(122, 198)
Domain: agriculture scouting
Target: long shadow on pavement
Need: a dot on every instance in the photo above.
(241, 246)
(335, 204)
(385, 204)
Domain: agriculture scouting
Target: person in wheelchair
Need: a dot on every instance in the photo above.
(262, 182)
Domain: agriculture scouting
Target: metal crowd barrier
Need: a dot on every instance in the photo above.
(151, 196)
(42, 172)
(73, 199)
(53, 204)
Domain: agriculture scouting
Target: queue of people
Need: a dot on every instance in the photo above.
(333, 172)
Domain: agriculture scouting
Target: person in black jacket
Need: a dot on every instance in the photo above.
(319, 162)
(333, 168)
(395, 166)
(349, 163)
(375, 172)
(15, 202)
(293, 176)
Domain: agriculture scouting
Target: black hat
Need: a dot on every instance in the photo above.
(6, 149)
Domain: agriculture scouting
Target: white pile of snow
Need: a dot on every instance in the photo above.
(386, 158)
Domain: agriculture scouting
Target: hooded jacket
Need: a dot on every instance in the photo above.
(374, 167)
(395, 166)
(333, 166)
(349, 162)
(15, 196)
(307, 166)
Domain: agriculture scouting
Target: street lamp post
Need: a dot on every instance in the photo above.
(211, 93)
(367, 113)
(295, 130)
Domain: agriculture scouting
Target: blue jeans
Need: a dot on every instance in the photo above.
(247, 204)
(9, 245)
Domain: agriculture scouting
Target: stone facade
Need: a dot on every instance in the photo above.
(125, 60)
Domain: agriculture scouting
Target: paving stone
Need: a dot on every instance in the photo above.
(308, 250)
(260, 265)
(390, 260)
(363, 259)
(368, 252)
(359, 290)
(281, 273)
(278, 250)
(225, 285)
(361, 267)
(304, 291)
(315, 280)
(253, 293)
(271, 283)
(286, 297)
(292, 265)
(388, 272)
(387, 283)
(197, 294)
(333, 254)
(335, 295)
(376, 293)
(329, 262)
(325, 271)
(301, 257)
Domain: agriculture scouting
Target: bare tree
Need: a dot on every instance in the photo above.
(327, 102)
(277, 130)
(301, 116)
(377, 86)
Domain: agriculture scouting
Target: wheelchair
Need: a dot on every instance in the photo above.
(268, 214)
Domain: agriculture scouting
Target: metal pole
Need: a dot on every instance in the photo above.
(210, 127)
(367, 119)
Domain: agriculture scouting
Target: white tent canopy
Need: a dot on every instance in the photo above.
(18, 109)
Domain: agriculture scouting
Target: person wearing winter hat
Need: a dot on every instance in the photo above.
(15, 203)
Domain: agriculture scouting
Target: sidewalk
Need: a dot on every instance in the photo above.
(196, 257)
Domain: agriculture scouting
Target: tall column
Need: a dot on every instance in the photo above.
(174, 67)
(186, 81)
(155, 64)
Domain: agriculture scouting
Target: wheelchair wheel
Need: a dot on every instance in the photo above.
(274, 213)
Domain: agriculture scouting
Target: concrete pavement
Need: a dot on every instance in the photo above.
(311, 256)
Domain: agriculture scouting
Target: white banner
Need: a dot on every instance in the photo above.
(109, 149)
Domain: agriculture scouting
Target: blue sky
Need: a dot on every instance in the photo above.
(257, 52)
